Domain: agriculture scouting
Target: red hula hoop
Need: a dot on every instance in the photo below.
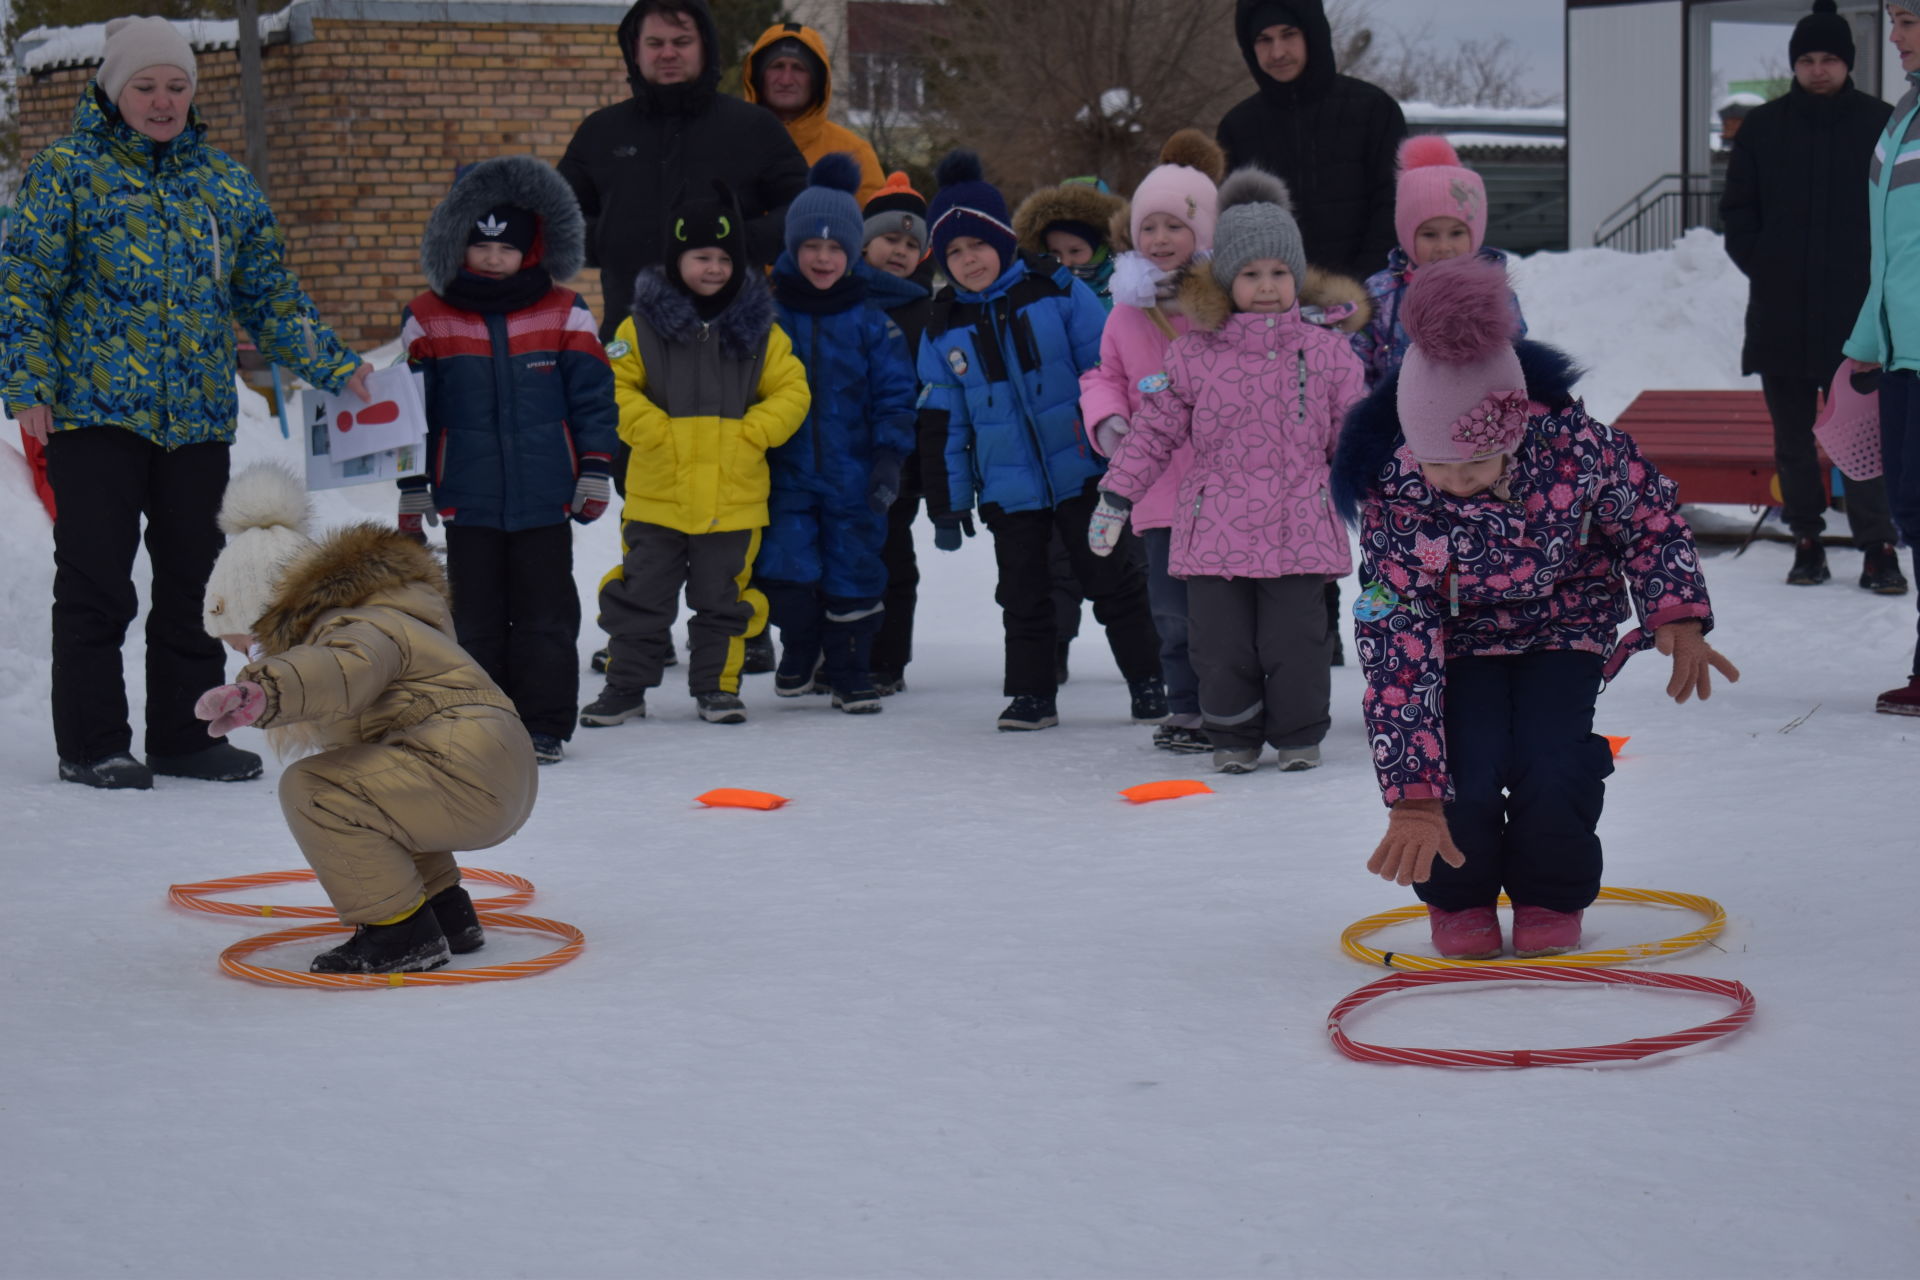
(1625, 1050)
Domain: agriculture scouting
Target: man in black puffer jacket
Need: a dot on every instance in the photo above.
(1330, 137)
(1796, 216)
(630, 162)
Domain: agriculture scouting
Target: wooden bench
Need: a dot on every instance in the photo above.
(1716, 445)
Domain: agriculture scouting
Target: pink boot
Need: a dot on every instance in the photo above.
(1540, 932)
(1473, 934)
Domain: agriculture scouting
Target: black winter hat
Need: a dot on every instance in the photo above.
(508, 224)
(708, 223)
(1822, 31)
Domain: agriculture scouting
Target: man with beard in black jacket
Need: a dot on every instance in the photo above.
(1795, 209)
(1330, 137)
(630, 162)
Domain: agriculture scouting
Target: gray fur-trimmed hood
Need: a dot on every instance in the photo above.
(560, 246)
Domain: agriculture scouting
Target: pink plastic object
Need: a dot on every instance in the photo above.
(1848, 428)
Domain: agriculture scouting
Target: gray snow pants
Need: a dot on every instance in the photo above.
(640, 599)
(1261, 647)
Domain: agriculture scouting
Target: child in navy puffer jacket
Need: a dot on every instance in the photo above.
(1000, 367)
(521, 428)
(1504, 537)
(1439, 213)
(820, 566)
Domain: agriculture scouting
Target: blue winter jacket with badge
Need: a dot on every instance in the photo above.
(127, 264)
(1888, 330)
(1000, 400)
(862, 385)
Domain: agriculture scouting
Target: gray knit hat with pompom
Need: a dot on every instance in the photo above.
(1256, 221)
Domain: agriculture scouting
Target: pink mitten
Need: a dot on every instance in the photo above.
(230, 707)
(1109, 432)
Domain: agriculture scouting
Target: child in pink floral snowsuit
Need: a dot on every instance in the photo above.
(1259, 393)
(1504, 537)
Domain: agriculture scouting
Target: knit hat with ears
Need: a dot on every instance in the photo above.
(1183, 186)
(827, 209)
(713, 222)
(1823, 31)
(1256, 221)
(968, 205)
(896, 207)
(1462, 395)
(265, 517)
(134, 44)
(1434, 184)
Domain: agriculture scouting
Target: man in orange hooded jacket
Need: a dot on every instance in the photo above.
(787, 72)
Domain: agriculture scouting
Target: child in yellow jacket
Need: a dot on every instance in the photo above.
(706, 383)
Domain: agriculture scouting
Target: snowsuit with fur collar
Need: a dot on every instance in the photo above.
(419, 752)
(1587, 532)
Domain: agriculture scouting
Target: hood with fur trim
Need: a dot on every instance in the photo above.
(1067, 202)
(742, 328)
(560, 244)
(1372, 431)
(349, 568)
(1341, 301)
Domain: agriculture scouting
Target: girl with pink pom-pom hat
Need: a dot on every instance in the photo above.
(1504, 538)
(1439, 213)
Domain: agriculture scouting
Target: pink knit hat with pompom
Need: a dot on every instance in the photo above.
(1183, 186)
(1462, 394)
(1434, 184)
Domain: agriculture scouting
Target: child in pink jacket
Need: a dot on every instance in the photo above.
(1170, 224)
(1259, 394)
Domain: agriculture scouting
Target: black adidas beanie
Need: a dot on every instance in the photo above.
(508, 224)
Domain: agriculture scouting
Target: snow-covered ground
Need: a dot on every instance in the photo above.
(959, 1011)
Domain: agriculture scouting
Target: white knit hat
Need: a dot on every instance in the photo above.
(265, 518)
(134, 44)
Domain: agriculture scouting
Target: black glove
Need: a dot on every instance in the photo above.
(884, 485)
(947, 530)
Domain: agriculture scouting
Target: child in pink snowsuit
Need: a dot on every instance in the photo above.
(1504, 537)
(1259, 393)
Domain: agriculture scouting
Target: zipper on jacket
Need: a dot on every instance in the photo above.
(813, 404)
(1300, 381)
(1586, 523)
(213, 226)
(1003, 338)
(1453, 591)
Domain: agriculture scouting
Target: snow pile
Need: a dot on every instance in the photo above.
(45, 47)
(1671, 320)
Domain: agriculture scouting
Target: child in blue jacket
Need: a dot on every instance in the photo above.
(1000, 365)
(820, 565)
(521, 428)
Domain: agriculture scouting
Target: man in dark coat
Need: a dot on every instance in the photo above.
(1795, 210)
(1330, 137)
(630, 162)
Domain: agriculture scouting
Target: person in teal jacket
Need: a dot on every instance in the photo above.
(999, 365)
(834, 481)
(135, 249)
(1886, 339)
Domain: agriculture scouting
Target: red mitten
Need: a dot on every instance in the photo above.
(230, 707)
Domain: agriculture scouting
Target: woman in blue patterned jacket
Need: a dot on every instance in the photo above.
(135, 249)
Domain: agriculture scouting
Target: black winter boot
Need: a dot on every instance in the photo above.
(1880, 573)
(109, 773)
(1809, 564)
(413, 945)
(1029, 711)
(1149, 700)
(221, 762)
(453, 912)
(760, 657)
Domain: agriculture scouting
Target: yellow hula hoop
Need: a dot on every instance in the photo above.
(1715, 914)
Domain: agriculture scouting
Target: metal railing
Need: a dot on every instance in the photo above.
(1661, 212)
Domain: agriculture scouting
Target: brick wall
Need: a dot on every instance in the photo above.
(366, 124)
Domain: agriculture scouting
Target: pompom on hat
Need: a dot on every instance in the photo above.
(134, 44)
(968, 205)
(828, 209)
(1462, 395)
(265, 517)
(1434, 184)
